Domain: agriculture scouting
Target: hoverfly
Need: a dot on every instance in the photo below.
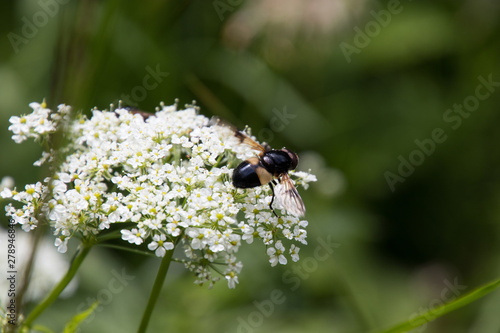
(271, 166)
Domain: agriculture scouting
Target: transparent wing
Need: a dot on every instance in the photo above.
(289, 197)
(242, 137)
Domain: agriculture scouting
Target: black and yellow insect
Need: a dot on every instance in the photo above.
(270, 165)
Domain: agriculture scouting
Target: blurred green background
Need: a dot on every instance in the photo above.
(349, 85)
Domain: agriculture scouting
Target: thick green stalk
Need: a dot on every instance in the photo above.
(77, 261)
(155, 292)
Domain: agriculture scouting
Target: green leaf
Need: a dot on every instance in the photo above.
(444, 309)
(77, 319)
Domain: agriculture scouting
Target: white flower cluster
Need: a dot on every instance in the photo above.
(40, 122)
(164, 181)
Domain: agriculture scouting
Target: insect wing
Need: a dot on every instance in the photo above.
(289, 197)
(242, 137)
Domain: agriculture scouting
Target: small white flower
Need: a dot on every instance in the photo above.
(276, 254)
(133, 236)
(32, 192)
(58, 213)
(305, 176)
(197, 238)
(232, 280)
(6, 193)
(62, 244)
(294, 252)
(266, 235)
(300, 235)
(248, 232)
(160, 245)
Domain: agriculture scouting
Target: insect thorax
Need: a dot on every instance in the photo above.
(276, 162)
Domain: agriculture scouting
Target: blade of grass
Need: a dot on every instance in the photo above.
(73, 325)
(444, 309)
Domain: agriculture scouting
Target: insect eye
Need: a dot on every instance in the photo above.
(293, 157)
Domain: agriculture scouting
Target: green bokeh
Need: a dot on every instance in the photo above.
(352, 120)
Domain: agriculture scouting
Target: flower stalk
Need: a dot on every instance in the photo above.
(155, 292)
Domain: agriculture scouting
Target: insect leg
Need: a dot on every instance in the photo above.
(271, 183)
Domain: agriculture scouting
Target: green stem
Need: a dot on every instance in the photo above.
(77, 261)
(132, 250)
(432, 314)
(155, 292)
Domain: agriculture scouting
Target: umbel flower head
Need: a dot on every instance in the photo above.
(164, 181)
